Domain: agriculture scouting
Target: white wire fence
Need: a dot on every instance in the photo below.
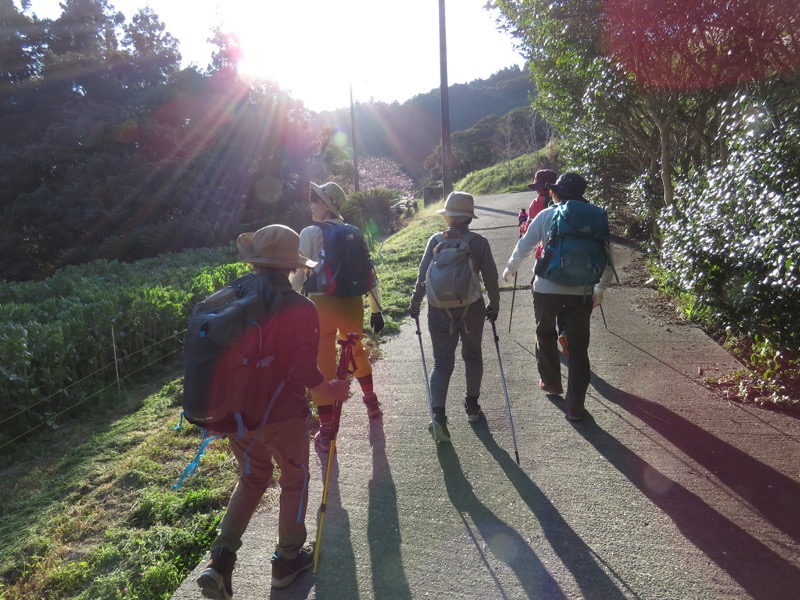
(105, 383)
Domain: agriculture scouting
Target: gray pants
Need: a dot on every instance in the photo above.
(445, 336)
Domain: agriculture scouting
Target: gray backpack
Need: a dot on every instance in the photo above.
(451, 280)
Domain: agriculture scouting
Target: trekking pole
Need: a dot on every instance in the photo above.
(602, 314)
(505, 391)
(345, 360)
(425, 371)
(513, 293)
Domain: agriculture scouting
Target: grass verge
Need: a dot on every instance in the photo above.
(90, 511)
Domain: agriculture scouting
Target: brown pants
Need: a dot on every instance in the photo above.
(286, 442)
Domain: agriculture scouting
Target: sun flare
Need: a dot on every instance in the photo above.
(282, 44)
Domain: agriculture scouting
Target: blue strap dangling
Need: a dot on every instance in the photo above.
(192, 466)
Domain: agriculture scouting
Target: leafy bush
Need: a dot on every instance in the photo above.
(734, 238)
(372, 212)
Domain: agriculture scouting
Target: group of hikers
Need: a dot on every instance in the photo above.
(312, 323)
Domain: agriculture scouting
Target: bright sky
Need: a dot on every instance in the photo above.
(315, 48)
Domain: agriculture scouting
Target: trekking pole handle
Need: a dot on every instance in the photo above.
(347, 355)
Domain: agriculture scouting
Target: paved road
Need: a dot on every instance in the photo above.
(664, 491)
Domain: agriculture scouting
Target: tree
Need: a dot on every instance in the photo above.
(154, 51)
(85, 28)
(640, 85)
(505, 144)
(18, 41)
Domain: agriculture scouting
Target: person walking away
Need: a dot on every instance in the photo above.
(338, 315)
(542, 201)
(448, 326)
(522, 219)
(273, 252)
(550, 298)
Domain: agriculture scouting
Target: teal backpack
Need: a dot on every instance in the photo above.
(576, 252)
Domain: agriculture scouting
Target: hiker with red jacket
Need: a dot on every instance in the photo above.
(543, 200)
(338, 316)
(550, 298)
(273, 253)
(448, 326)
(522, 220)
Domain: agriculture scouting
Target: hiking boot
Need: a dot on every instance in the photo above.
(562, 340)
(438, 428)
(322, 440)
(373, 406)
(551, 389)
(286, 570)
(215, 580)
(473, 409)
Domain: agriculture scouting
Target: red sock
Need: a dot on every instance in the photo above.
(366, 384)
(325, 416)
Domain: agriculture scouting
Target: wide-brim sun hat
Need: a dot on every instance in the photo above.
(570, 186)
(459, 204)
(542, 177)
(332, 195)
(274, 246)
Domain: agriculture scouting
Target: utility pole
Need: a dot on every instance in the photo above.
(446, 183)
(353, 134)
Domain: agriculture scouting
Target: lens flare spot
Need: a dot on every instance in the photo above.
(503, 546)
(340, 139)
(268, 189)
(655, 481)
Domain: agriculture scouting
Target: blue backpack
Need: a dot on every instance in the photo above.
(344, 267)
(576, 252)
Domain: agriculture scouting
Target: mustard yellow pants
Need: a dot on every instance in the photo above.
(337, 318)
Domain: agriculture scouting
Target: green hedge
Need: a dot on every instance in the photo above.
(55, 334)
(733, 239)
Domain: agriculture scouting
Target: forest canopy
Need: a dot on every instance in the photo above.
(111, 150)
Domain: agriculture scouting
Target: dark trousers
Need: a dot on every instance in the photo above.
(577, 313)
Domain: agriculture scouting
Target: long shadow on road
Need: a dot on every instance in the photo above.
(581, 561)
(756, 567)
(770, 492)
(504, 542)
(336, 577)
(774, 495)
(383, 523)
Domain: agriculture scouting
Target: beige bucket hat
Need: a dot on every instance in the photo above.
(459, 204)
(275, 246)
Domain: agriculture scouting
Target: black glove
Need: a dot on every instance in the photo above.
(376, 322)
(413, 310)
(491, 313)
